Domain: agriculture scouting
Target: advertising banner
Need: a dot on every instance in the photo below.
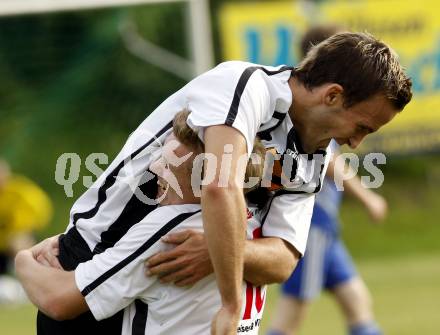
(269, 33)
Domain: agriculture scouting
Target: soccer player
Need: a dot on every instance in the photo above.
(327, 264)
(171, 264)
(115, 279)
(345, 89)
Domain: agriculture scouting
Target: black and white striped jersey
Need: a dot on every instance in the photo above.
(114, 280)
(253, 99)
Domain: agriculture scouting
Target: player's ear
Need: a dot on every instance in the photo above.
(333, 95)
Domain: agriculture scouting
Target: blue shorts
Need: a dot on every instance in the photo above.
(326, 264)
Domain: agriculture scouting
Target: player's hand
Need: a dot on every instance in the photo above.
(46, 252)
(225, 322)
(185, 264)
(377, 207)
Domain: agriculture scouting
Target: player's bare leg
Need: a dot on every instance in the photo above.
(290, 316)
(356, 304)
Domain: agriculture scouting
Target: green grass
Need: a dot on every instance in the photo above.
(410, 228)
(406, 292)
(18, 320)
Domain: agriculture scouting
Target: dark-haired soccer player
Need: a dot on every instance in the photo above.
(327, 263)
(345, 88)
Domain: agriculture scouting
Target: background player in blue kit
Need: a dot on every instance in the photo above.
(327, 264)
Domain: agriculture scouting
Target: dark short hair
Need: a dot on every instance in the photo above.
(361, 64)
(316, 35)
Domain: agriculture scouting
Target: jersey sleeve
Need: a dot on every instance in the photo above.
(226, 96)
(288, 217)
(111, 280)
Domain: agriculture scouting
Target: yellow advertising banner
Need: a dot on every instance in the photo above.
(269, 33)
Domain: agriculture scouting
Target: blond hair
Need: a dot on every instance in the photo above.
(187, 136)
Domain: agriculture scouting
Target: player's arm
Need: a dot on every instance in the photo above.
(269, 260)
(113, 279)
(52, 290)
(64, 295)
(374, 203)
(224, 221)
(266, 260)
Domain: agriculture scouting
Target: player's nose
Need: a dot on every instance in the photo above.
(354, 141)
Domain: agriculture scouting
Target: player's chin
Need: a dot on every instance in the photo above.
(341, 141)
(160, 193)
(324, 144)
(161, 197)
(163, 201)
(161, 187)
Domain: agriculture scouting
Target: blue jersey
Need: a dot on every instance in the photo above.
(326, 263)
(327, 203)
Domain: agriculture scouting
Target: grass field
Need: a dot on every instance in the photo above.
(406, 292)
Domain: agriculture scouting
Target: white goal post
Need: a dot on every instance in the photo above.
(198, 12)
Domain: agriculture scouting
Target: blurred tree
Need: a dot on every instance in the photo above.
(68, 82)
